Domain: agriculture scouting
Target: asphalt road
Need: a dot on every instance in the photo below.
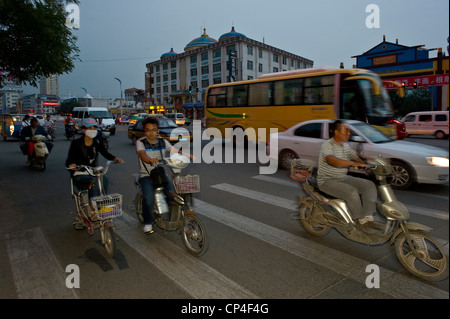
(257, 250)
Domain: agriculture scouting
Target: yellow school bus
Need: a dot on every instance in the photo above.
(283, 99)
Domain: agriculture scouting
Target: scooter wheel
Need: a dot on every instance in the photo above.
(194, 236)
(424, 257)
(309, 221)
(110, 241)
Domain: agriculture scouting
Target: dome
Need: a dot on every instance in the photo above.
(168, 54)
(204, 40)
(232, 33)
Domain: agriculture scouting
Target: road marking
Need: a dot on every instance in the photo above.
(36, 271)
(391, 283)
(194, 276)
(292, 204)
(412, 208)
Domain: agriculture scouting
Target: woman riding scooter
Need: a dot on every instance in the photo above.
(27, 134)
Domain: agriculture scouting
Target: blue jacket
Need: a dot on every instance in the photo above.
(26, 132)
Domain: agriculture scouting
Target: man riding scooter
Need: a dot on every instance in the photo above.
(27, 134)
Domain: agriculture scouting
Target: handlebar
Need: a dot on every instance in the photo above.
(94, 171)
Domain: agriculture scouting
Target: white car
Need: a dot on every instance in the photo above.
(411, 162)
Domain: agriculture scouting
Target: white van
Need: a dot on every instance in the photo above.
(427, 123)
(178, 118)
(81, 113)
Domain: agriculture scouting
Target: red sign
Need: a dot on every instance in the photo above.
(49, 103)
(424, 80)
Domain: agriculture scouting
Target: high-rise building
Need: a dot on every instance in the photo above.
(179, 78)
(49, 85)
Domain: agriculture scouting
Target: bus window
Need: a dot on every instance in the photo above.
(237, 95)
(293, 92)
(261, 94)
(217, 97)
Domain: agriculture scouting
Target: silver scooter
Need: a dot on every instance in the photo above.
(417, 251)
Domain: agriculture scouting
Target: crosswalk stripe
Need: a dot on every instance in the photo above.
(36, 271)
(412, 208)
(281, 202)
(194, 276)
(391, 283)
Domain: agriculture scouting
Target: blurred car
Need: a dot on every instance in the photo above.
(40, 119)
(10, 126)
(136, 117)
(167, 129)
(411, 162)
(123, 120)
(400, 129)
(178, 118)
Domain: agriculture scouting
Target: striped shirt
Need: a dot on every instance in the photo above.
(152, 150)
(327, 171)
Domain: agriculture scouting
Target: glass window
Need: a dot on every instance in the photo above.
(425, 118)
(249, 50)
(205, 69)
(249, 65)
(410, 118)
(217, 67)
(441, 118)
(260, 67)
(237, 95)
(260, 94)
(216, 53)
(173, 76)
(173, 64)
(312, 130)
(275, 58)
(193, 72)
(193, 58)
(217, 97)
(205, 56)
(293, 92)
(205, 83)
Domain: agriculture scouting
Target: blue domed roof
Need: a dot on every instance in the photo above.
(168, 54)
(200, 42)
(232, 33)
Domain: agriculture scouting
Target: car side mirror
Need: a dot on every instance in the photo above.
(356, 138)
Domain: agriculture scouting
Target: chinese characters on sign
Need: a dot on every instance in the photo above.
(425, 80)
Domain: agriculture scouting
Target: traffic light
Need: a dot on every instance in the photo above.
(415, 85)
(190, 89)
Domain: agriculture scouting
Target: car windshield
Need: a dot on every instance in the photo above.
(102, 114)
(371, 133)
(166, 123)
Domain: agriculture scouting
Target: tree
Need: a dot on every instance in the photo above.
(34, 40)
(68, 105)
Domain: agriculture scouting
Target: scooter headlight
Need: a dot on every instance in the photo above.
(438, 161)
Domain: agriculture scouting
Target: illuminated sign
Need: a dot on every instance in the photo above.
(424, 80)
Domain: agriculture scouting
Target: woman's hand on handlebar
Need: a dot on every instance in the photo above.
(118, 160)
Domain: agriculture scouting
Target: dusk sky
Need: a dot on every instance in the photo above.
(117, 38)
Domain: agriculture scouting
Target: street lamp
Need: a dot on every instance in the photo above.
(120, 82)
(86, 97)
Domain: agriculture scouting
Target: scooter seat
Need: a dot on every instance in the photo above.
(313, 182)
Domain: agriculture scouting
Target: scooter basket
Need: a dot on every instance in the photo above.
(107, 206)
(187, 184)
(301, 169)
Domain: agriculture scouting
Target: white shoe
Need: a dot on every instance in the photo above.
(148, 229)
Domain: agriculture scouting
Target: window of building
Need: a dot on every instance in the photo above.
(165, 66)
(158, 79)
(275, 58)
(205, 56)
(157, 68)
(260, 67)
(205, 69)
(249, 50)
(165, 77)
(275, 69)
(249, 65)
(165, 89)
(217, 80)
(173, 64)
(194, 72)
(260, 53)
(217, 53)
(284, 60)
(173, 76)
(193, 58)
(217, 67)
(205, 83)
(173, 87)
(231, 48)
(194, 84)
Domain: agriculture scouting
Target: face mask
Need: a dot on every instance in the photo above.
(91, 133)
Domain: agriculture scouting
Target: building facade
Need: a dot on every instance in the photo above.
(181, 79)
(49, 85)
(410, 66)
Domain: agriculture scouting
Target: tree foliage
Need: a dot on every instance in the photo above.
(414, 101)
(34, 40)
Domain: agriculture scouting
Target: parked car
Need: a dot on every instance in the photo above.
(427, 123)
(411, 162)
(167, 129)
(10, 126)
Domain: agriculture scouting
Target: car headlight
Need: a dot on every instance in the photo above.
(438, 161)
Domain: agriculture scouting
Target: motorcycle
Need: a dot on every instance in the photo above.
(98, 213)
(51, 131)
(37, 151)
(421, 254)
(103, 137)
(71, 129)
(177, 215)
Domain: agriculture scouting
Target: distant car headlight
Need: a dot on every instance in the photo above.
(438, 161)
